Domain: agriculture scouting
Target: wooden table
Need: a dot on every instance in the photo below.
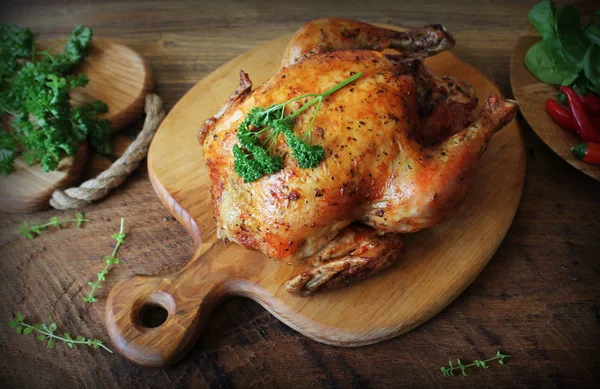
(538, 299)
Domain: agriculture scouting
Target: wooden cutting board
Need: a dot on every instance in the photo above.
(532, 94)
(117, 76)
(438, 265)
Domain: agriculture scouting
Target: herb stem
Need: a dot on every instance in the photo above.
(325, 94)
(449, 371)
(110, 260)
(51, 335)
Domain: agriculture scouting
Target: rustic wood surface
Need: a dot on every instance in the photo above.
(119, 77)
(538, 299)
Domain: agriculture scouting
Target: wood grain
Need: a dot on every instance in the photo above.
(438, 265)
(532, 95)
(537, 299)
(117, 76)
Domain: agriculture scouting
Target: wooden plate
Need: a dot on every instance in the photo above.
(532, 94)
(438, 265)
(119, 77)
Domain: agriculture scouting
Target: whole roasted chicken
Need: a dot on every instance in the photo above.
(400, 147)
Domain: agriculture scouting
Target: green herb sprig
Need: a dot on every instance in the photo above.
(48, 336)
(252, 159)
(30, 231)
(449, 371)
(35, 92)
(110, 260)
(569, 53)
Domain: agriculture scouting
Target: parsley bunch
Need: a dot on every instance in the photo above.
(35, 92)
(252, 160)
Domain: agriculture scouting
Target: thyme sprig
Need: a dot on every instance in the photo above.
(110, 260)
(30, 231)
(449, 371)
(48, 336)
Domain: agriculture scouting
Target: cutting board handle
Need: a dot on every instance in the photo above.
(188, 297)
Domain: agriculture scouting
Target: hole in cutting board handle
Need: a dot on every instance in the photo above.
(153, 315)
(153, 311)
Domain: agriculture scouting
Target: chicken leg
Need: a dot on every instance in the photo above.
(356, 253)
(334, 34)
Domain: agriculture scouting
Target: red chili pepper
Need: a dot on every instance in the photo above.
(561, 115)
(587, 152)
(585, 128)
(591, 103)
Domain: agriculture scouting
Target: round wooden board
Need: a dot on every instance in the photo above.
(117, 76)
(532, 94)
(438, 265)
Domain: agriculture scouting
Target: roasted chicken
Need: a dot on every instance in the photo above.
(401, 147)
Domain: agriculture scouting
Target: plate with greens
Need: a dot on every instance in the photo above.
(560, 48)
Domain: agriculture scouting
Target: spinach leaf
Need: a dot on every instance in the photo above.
(547, 61)
(542, 17)
(594, 89)
(591, 65)
(593, 33)
(568, 31)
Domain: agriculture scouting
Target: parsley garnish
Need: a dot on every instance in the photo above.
(36, 93)
(252, 160)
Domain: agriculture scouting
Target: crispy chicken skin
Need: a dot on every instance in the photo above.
(401, 147)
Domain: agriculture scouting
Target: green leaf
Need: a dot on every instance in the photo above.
(19, 329)
(27, 330)
(52, 327)
(568, 31)
(20, 317)
(12, 323)
(51, 344)
(569, 80)
(591, 65)
(542, 17)
(548, 63)
(594, 89)
(592, 32)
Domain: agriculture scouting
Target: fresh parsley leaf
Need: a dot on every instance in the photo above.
(252, 160)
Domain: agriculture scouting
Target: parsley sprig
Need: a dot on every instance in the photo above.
(449, 371)
(48, 336)
(110, 260)
(35, 92)
(30, 231)
(252, 159)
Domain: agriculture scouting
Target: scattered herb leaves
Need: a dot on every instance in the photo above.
(30, 231)
(110, 260)
(48, 336)
(252, 159)
(449, 371)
